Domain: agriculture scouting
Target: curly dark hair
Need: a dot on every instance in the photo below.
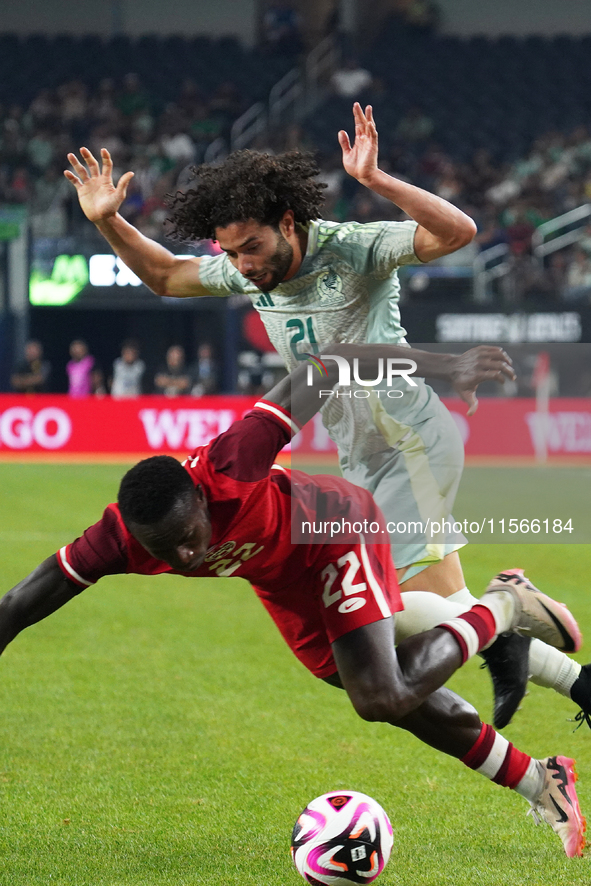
(151, 488)
(247, 185)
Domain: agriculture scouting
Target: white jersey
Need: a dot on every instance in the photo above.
(406, 451)
(346, 290)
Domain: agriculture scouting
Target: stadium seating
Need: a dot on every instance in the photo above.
(162, 63)
(498, 94)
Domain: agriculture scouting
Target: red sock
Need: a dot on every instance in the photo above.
(494, 756)
(473, 630)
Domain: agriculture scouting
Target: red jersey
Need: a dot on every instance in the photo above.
(315, 592)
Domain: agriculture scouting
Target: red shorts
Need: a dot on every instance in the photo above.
(352, 585)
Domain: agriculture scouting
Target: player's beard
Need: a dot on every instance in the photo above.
(279, 264)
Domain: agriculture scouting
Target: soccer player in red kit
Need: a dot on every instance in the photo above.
(230, 510)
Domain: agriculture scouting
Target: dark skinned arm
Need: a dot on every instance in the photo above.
(35, 597)
(464, 371)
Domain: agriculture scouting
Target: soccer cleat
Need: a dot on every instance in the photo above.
(581, 694)
(507, 660)
(536, 614)
(558, 804)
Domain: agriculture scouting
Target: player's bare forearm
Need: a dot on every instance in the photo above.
(35, 597)
(443, 228)
(100, 201)
(299, 393)
(156, 266)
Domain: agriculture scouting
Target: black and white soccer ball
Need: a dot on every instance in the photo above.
(341, 838)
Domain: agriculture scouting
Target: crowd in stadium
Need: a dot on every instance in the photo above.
(122, 117)
(508, 200)
(511, 158)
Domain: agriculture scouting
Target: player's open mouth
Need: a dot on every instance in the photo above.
(259, 278)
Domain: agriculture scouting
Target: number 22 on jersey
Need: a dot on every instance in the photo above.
(346, 586)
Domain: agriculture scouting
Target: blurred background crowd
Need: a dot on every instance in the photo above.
(498, 125)
(127, 377)
(475, 121)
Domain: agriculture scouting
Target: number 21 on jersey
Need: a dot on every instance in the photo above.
(301, 328)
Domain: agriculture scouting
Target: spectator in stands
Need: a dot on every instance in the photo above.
(252, 378)
(555, 270)
(106, 135)
(133, 98)
(44, 108)
(174, 378)
(20, 186)
(31, 375)
(519, 230)
(490, 232)
(578, 277)
(543, 178)
(204, 372)
(204, 128)
(527, 280)
(84, 375)
(102, 105)
(191, 97)
(51, 193)
(415, 127)
(73, 98)
(40, 150)
(226, 103)
(351, 81)
(479, 175)
(134, 203)
(128, 371)
(448, 185)
(175, 143)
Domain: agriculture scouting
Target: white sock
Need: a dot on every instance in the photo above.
(464, 597)
(423, 611)
(548, 667)
(551, 668)
(502, 605)
(532, 782)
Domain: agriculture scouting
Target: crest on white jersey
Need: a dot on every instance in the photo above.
(330, 288)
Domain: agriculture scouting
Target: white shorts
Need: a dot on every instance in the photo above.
(414, 481)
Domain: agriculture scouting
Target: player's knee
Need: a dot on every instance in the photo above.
(382, 705)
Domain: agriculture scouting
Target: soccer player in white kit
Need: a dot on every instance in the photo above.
(315, 282)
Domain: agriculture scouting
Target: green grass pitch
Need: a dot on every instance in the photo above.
(156, 732)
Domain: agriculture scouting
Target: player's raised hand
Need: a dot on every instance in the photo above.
(98, 196)
(484, 363)
(361, 160)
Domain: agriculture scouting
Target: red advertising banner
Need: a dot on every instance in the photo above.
(513, 428)
(56, 425)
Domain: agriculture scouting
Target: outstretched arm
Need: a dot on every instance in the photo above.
(159, 269)
(443, 228)
(464, 371)
(35, 597)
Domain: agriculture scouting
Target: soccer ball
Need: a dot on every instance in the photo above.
(341, 838)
